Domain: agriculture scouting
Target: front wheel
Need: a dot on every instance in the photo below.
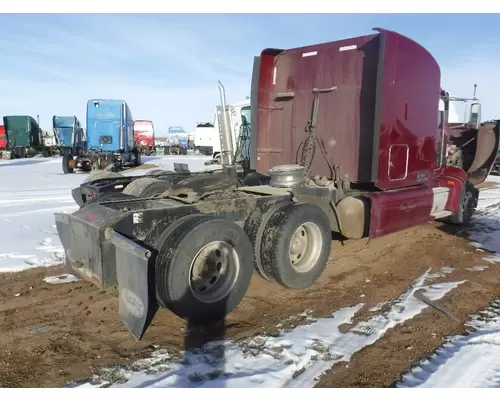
(68, 164)
(467, 206)
(203, 268)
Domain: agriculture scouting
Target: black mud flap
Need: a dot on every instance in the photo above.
(77, 196)
(135, 276)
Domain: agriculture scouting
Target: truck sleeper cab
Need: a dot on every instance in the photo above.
(110, 138)
(345, 138)
(23, 135)
(144, 135)
(69, 133)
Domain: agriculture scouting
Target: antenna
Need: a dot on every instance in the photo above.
(475, 87)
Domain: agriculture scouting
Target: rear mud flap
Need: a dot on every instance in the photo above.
(77, 196)
(135, 276)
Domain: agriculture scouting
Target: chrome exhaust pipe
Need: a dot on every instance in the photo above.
(226, 137)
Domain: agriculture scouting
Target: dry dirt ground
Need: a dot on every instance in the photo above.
(51, 335)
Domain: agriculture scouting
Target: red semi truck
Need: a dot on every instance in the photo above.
(3, 138)
(347, 137)
(144, 135)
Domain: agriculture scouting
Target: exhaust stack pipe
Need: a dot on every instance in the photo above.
(226, 138)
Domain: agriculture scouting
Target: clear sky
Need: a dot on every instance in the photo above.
(167, 66)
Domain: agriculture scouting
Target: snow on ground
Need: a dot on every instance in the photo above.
(31, 191)
(63, 278)
(465, 361)
(473, 360)
(293, 359)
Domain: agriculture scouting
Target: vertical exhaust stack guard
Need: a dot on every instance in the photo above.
(226, 140)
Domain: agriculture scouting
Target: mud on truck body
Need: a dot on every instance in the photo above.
(110, 139)
(345, 139)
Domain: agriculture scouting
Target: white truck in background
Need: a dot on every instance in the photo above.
(207, 136)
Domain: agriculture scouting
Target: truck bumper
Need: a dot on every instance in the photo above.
(96, 253)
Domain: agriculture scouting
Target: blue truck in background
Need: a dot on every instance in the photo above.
(69, 134)
(109, 138)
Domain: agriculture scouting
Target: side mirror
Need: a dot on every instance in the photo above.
(244, 121)
(474, 117)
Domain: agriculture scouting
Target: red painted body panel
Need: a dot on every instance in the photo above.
(387, 94)
(409, 112)
(144, 134)
(341, 120)
(454, 178)
(3, 138)
(392, 211)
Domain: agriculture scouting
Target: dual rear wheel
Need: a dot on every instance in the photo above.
(204, 264)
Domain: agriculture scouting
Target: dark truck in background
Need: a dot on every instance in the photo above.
(346, 137)
(23, 135)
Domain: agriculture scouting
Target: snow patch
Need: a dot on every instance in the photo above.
(295, 358)
(63, 278)
(466, 361)
(31, 191)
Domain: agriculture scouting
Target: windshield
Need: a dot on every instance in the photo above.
(176, 129)
(63, 122)
(143, 126)
(245, 115)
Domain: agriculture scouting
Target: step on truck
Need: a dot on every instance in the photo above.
(144, 135)
(110, 140)
(346, 138)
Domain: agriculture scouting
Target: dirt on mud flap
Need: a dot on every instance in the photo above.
(53, 334)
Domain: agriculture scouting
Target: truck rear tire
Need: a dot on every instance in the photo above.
(137, 158)
(203, 268)
(296, 244)
(66, 160)
(147, 187)
(254, 227)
